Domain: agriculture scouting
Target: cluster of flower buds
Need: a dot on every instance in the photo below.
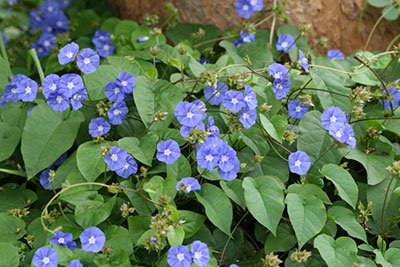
(154, 50)
(265, 107)
(300, 256)
(271, 260)
(233, 121)
(150, 20)
(235, 81)
(105, 150)
(394, 169)
(18, 212)
(364, 215)
(173, 14)
(52, 216)
(29, 240)
(373, 133)
(199, 35)
(197, 136)
(289, 136)
(103, 107)
(208, 77)
(126, 209)
(160, 115)
(360, 96)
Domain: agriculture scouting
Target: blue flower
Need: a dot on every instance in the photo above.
(88, 61)
(244, 8)
(232, 174)
(278, 71)
(117, 113)
(45, 257)
(256, 4)
(10, 92)
(72, 245)
(209, 153)
(248, 117)
(106, 49)
(50, 84)
(64, 3)
(202, 106)
(126, 82)
(129, 168)
(296, 109)
(27, 89)
(303, 61)
(200, 253)
(188, 185)
(98, 126)
(100, 37)
(250, 98)
(46, 178)
(285, 43)
(60, 159)
(204, 61)
(49, 6)
(179, 256)
(41, 51)
(281, 87)
(4, 36)
(57, 22)
(332, 115)
(245, 38)
(58, 100)
(212, 128)
(68, 53)
(335, 54)
(233, 265)
(215, 94)
(227, 160)
(394, 98)
(113, 92)
(61, 238)
(339, 132)
(185, 130)
(71, 83)
(47, 40)
(74, 263)
(352, 142)
(188, 114)
(299, 162)
(142, 39)
(78, 98)
(35, 20)
(116, 159)
(92, 239)
(233, 101)
(168, 151)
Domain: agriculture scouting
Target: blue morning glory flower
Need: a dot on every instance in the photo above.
(68, 53)
(71, 83)
(113, 92)
(46, 178)
(92, 239)
(4, 36)
(58, 21)
(394, 98)
(248, 117)
(11, 93)
(232, 174)
(100, 37)
(72, 245)
(41, 51)
(209, 154)
(35, 20)
(58, 100)
(233, 100)
(126, 82)
(64, 3)
(49, 6)
(106, 49)
(188, 185)
(61, 238)
(188, 114)
(233, 265)
(281, 87)
(285, 43)
(332, 115)
(60, 159)
(244, 8)
(129, 168)
(352, 142)
(117, 113)
(228, 154)
(202, 106)
(303, 61)
(50, 84)
(142, 39)
(74, 263)
(299, 162)
(179, 256)
(278, 71)
(88, 61)
(339, 132)
(78, 98)
(212, 128)
(200, 253)
(215, 94)
(250, 98)
(185, 130)
(45, 257)
(27, 89)
(296, 109)
(47, 40)
(203, 60)
(335, 54)
(99, 126)
(168, 151)
(244, 38)
(256, 4)
(116, 159)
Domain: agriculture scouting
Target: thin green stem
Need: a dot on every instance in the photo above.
(4, 54)
(35, 58)
(384, 201)
(15, 172)
(271, 34)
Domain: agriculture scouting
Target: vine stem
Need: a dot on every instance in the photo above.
(229, 238)
(271, 34)
(380, 118)
(384, 201)
(341, 71)
(214, 40)
(45, 210)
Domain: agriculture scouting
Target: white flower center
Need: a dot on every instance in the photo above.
(114, 157)
(297, 163)
(116, 90)
(117, 112)
(197, 255)
(284, 44)
(245, 7)
(234, 101)
(209, 157)
(69, 54)
(253, 2)
(92, 240)
(46, 260)
(339, 133)
(86, 60)
(46, 43)
(100, 128)
(246, 116)
(189, 115)
(180, 257)
(70, 85)
(53, 86)
(247, 98)
(124, 83)
(61, 240)
(333, 118)
(298, 109)
(49, 29)
(50, 9)
(167, 152)
(14, 90)
(28, 90)
(246, 39)
(77, 96)
(304, 61)
(126, 166)
(106, 47)
(59, 99)
(278, 75)
(188, 188)
(59, 23)
(40, 50)
(224, 158)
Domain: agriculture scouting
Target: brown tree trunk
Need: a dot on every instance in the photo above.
(335, 19)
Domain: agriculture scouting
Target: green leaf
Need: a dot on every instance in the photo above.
(284, 240)
(175, 235)
(183, 31)
(118, 237)
(258, 51)
(47, 135)
(264, 199)
(8, 255)
(125, 28)
(336, 253)
(192, 222)
(89, 160)
(379, 3)
(180, 168)
(14, 114)
(142, 31)
(93, 212)
(11, 228)
(280, 124)
(118, 257)
(307, 190)
(269, 127)
(217, 205)
(138, 225)
(254, 139)
(9, 139)
(142, 150)
(347, 220)
(235, 191)
(109, 24)
(307, 215)
(343, 181)
(11, 198)
(392, 255)
(142, 206)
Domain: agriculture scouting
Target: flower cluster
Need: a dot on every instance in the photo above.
(103, 44)
(188, 185)
(246, 8)
(119, 161)
(334, 120)
(281, 86)
(245, 38)
(296, 109)
(21, 88)
(393, 99)
(92, 240)
(335, 54)
(285, 43)
(182, 257)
